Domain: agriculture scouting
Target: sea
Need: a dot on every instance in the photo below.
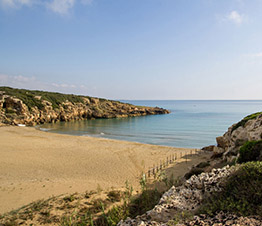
(191, 123)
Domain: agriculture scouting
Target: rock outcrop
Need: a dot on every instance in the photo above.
(14, 111)
(228, 145)
(185, 197)
(222, 219)
(189, 196)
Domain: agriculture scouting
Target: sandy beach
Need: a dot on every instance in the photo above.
(36, 165)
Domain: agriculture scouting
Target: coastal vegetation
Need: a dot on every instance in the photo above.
(93, 208)
(241, 192)
(29, 97)
(245, 120)
(31, 107)
(250, 151)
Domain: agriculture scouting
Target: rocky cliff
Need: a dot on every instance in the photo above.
(18, 106)
(228, 145)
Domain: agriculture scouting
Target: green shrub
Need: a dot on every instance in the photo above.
(250, 151)
(28, 97)
(144, 202)
(241, 192)
(244, 120)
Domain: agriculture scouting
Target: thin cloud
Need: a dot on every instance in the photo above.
(20, 81)
(63, 85)
(15, 3)
(61, 7)
(235, 17)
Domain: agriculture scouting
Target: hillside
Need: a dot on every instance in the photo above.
(20, 106)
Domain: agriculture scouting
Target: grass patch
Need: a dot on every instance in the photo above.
(241, 193)
(69, 198)
(90, 208)
(114, 196)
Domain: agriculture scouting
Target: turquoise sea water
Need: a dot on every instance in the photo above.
(191, 123)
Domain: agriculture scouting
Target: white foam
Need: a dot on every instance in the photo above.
(44, 129)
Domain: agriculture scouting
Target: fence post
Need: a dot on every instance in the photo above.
(154, 169)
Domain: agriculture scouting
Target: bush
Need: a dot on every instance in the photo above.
(250, 151)
(144, 202)
(28, 97)
(241, 192)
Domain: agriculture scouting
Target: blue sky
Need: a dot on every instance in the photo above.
(134, 49)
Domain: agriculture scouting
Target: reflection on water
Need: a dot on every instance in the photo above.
(191, 123)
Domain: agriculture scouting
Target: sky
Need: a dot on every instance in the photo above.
(134, 49)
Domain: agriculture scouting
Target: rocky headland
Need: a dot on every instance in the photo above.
(19, 106)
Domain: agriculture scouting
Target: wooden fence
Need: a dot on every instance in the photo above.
(152, 171)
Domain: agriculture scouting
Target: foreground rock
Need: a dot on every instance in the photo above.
(36, 109)
(222, 219)
(183, 198)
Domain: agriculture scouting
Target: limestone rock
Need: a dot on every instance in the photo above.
(185, 197)
(229, 144)
(13, 111)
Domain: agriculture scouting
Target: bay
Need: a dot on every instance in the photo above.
(191, 123)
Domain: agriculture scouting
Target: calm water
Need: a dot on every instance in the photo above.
(190, 124)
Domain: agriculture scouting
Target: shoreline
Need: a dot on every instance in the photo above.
(36, 165)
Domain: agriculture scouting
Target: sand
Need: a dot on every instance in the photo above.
(36, 165)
